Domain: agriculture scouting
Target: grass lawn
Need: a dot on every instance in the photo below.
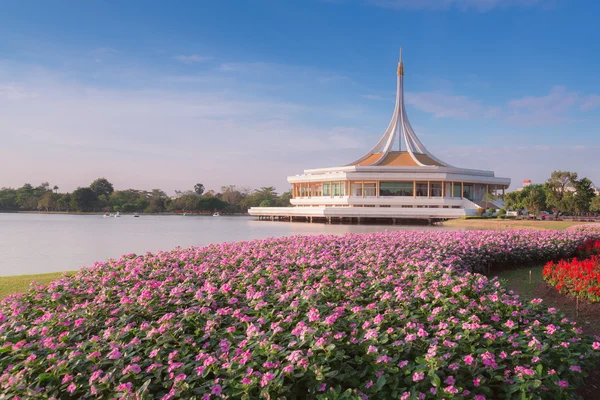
(20, 283)
(508, 224)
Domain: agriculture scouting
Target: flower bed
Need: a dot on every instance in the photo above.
(394, 315)
(585, 227)
(578, 276)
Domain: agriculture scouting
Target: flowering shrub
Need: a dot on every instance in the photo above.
(585, 227)
(389, 315)
(578, 276)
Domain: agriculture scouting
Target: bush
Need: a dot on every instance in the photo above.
(382, 315)
(265, 203)
(480, 211)
(491, 210)
(502, 211)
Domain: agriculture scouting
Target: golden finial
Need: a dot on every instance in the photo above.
(400, 65)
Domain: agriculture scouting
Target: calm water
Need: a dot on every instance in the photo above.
(39, 243)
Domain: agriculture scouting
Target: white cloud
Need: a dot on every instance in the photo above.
(192, 59)
(591, 103)
(463, 5)
(443, 105)
(541, 110)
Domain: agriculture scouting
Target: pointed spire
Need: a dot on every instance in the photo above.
(400, 65)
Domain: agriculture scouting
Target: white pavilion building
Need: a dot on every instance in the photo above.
(407, 182)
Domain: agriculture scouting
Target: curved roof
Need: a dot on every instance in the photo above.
(398, 159)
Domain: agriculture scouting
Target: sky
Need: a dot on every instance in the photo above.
(157, 94)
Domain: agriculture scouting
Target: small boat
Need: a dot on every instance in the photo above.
(136, 215)
(216, 214)
(107, 215)
(117, 215)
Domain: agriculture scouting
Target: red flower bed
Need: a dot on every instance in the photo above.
(578, 276)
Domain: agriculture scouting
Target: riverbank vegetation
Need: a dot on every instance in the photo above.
(100, 196)
(387, 315)
(563, 192)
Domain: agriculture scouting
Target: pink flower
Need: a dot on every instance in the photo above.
(216, 390)
(563, 384)
(468, 359)
(418, 376)
(72, 387)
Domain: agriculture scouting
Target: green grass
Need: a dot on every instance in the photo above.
(20, 283)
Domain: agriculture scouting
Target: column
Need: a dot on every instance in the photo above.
(452, 188)
(414, 189)
(443, 189)
(363, 188)
(377, 188)
(428, 189)
(462, 190)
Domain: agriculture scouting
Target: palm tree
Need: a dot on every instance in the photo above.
(55, 189)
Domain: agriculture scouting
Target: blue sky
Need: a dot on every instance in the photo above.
(166, 94)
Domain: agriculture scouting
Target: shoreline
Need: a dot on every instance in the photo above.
(127, 213)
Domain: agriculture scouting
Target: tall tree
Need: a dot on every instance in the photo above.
(55, 189)
(534, 199)
(47, 201)
(556, 189)
(595, 206)
(199, 189)
(584, 193)
(83, 199)
(102, 186)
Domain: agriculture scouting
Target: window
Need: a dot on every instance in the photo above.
(468, 191)
(335, 188)
(422, 189)
(370, 189)
(396, 189)
(326, 189)
(436, 190)
(356, 189)
(457, 189)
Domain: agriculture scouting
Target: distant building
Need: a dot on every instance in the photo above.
(387, 182)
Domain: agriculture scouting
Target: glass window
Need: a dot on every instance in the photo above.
(396, 189)
(318, 189)
(326, 189)
(422, 189)
(436, 190)
(356, 189)
(457, 189)
(335, 188)
(370, 189)
(468, 192)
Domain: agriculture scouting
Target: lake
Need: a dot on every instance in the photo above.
(40, 243)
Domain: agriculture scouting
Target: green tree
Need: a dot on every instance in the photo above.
(534, 199)
(514, 200)
(55, 188)
(63, 203)
(102, 186)
(83, 199)
(595, 206)
(265, 203)
(199, 189)
(8, 199)
(157, 201)
(47, 201)
(584, 193)
(556, 189)
(284, 200)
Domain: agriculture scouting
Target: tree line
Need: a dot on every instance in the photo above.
(100, 196)
(563, 192)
